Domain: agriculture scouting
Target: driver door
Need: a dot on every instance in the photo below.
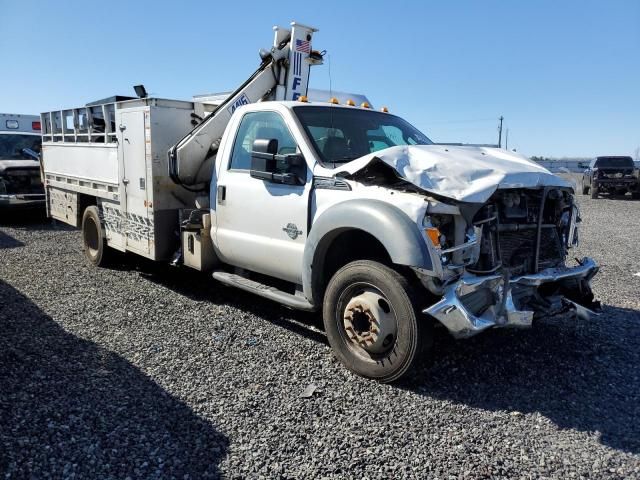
(261, 226)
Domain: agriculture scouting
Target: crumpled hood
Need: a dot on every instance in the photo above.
(467, 174)
(26, 164)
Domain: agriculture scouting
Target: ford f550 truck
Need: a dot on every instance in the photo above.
(322, 206)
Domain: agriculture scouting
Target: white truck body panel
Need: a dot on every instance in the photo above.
(92, 162)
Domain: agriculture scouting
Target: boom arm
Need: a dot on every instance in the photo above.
(282, 75)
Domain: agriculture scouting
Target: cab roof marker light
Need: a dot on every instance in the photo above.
(384, 109)
(334, 100)
(351, 103)
(365, 105)
(303, 99)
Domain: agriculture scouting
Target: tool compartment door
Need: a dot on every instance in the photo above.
(133, 137)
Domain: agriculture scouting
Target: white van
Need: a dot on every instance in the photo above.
(20, 144)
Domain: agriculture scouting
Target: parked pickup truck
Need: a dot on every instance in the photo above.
(612, 175)
(20, 183)
(323, 206)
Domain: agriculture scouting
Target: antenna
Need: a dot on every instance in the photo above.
(330, 84)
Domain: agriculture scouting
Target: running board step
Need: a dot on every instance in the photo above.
(263, 290)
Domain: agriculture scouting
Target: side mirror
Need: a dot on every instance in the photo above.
(267, 165)
(27, 152)
(263, 156)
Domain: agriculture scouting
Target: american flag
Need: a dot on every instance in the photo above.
(303, 46)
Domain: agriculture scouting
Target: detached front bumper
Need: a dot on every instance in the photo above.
(27, 200)
(474, 303)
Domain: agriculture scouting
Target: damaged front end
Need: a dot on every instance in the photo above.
(505, 263)
(500, 228)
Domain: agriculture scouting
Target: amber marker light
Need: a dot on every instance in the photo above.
(434, 235)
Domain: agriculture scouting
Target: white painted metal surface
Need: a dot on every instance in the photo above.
(19, 123)
(94, 162)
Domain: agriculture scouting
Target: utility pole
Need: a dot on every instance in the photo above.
(500, 132)
(506, 139)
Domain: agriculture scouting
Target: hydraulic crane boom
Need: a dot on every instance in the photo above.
(282, 75)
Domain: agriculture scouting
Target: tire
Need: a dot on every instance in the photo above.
(93, 238)
(367, 303)
(585, 188)
(594, 190)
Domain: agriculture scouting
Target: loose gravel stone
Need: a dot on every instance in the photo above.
(147, 371)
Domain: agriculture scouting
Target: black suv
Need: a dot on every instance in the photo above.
(612, 175)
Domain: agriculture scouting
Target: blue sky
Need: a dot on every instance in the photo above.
(565, 74)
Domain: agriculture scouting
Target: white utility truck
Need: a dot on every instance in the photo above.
(322, 206)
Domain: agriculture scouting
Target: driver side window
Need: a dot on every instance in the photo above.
(264, 125)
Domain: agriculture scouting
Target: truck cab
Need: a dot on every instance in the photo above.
(20, 144)
(288, 195)
(357, 212)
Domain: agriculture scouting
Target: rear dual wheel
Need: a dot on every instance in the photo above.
(93, 238)
(372, 321)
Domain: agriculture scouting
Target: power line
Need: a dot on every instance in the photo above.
(477, 120)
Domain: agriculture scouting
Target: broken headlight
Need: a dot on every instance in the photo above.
(442, 231)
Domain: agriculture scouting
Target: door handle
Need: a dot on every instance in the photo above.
(222, 193)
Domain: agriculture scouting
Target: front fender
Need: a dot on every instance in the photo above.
(398, 233)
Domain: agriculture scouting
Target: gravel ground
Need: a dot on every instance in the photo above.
(144, 371)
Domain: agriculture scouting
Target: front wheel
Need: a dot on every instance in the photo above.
(371, 320)
(585, 188)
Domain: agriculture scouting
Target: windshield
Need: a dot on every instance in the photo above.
(19, 147)
(614, 162)
(340, 135)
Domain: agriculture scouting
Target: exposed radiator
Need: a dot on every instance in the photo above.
(517, 250)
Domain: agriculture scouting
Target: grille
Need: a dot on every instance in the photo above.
(517, 250)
